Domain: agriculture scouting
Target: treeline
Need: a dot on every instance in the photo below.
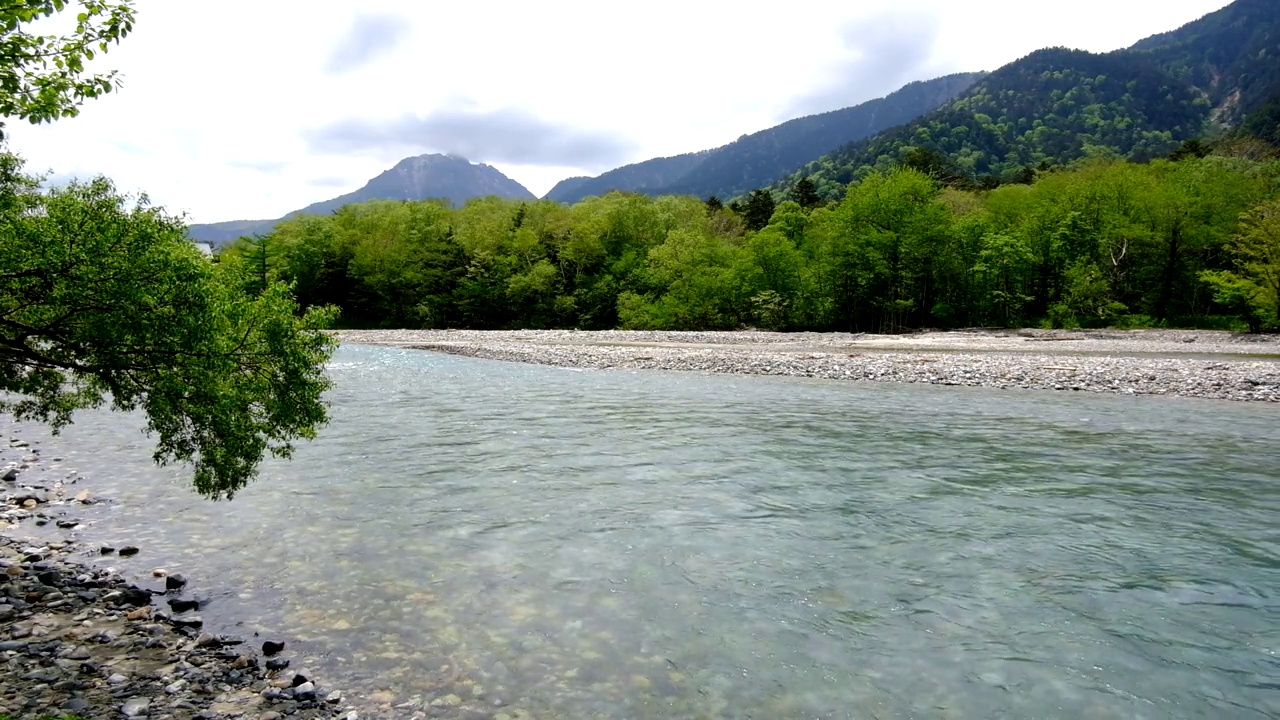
(1188, 242)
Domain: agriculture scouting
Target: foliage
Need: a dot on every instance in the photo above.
(1253, 291)
(103, 301)
(1101, 243)
(44, 77)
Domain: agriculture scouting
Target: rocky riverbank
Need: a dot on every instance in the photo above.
(76, 637)
(1204, 364)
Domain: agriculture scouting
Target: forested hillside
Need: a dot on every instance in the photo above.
(1057, 105)
(760, 158)
(650, 175)
(1109, 242)
(1232, 56)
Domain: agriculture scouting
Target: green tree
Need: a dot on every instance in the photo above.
(260, 255)
(1254, 290)
(44, 77)
(805, 193)
(759, 209)
(104, 301)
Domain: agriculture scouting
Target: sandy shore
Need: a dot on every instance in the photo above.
(1187, 363)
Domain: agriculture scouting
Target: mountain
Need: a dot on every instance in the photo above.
(1058, 105)
(567, 186)
(650, 176)
(423, 177)
(758, 159)
(1232, 55)
(220, 233)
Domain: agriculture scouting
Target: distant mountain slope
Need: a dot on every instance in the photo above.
(416, 178)
(644, 176)
(1232, 55)
(567, 186)
(429, 177)
(758, 159)
(1058, 105)
(220, 233)
(761, 158)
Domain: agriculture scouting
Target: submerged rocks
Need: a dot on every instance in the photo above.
(80, 639)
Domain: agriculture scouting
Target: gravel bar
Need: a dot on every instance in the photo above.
(1185, 363)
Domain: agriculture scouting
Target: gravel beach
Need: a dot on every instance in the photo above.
(1186, 363)
(79, 637)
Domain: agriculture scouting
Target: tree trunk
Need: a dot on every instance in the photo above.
(1170, 272)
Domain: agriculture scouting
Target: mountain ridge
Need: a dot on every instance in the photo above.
(420, 177)
(1057, 105)
(759, 158)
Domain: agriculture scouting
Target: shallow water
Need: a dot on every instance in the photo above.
(583, 544)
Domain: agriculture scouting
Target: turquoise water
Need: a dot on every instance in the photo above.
(530, 541)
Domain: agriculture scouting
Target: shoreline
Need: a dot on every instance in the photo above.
(82, 639)
(1181, 363)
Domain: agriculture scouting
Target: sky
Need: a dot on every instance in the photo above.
(239, 109)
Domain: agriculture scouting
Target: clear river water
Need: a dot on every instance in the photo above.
(553, 543)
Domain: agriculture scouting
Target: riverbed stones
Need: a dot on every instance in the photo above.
(1219, 365)
(81, 639)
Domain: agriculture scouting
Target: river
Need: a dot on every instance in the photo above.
(557, 543)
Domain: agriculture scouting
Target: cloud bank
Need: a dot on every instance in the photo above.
(502, 136)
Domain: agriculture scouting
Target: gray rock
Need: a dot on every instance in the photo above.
(305, 691)
(133, 707)
(43, 675)
(76, 652)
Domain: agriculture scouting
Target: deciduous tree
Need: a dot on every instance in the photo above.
(103, 301)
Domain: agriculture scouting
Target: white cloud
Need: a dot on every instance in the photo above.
(368, 38)
(226, 104)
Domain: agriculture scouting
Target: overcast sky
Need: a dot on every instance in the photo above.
(236, 109)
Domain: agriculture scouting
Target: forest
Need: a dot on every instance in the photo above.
(1189, 241)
